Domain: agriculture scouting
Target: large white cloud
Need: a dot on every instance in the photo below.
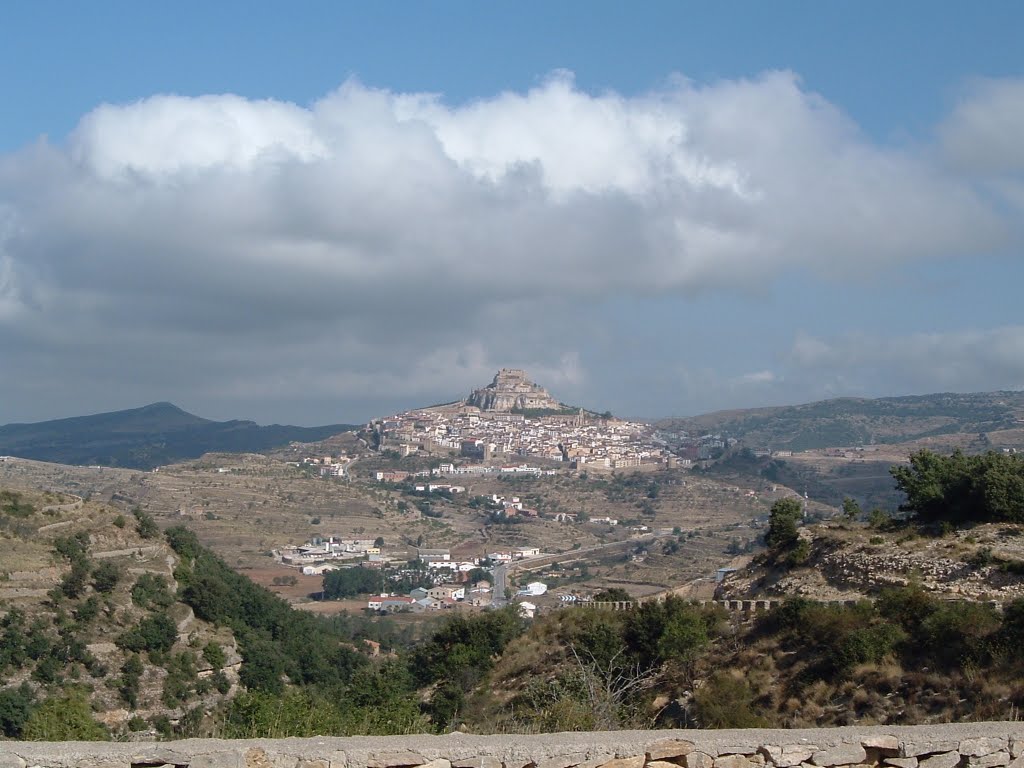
(957, 361)
(212, 244)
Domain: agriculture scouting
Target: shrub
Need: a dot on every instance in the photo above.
(145, 525)
(958, 633)
(131, 676)
(16, 706)
(65, 717)
(152, 590)
(75, 581)
(105, 576)
(155, 633)
(214, 655)
(725, 701)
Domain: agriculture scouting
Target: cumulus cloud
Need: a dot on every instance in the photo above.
(378, 244)
(982, 133)
(922, 362)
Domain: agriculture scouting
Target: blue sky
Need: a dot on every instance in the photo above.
(659, 208)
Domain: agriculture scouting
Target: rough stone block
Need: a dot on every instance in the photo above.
(481, 761)
(844, 754)
(223, 759)
(660, 750)
(1016, 748)
(901, 762)
(303, 763)
(941, 760)
(596, 761)
(562, 761)
(919, 748)
(1017, 762)
(735, 761)
(627, 762)
(981, 747)
(157, 755)
(788, 755)
(661, 764)
(517, 762)
(8, 760)
(438, 763)
(886, 743)
(698, 760)
(395, 760)
(989, 761)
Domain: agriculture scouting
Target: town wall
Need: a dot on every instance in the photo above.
(961, 745)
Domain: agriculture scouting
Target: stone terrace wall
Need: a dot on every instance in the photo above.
(969, 745)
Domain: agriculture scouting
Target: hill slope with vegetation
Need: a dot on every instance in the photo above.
(143, 438)
(857, 421)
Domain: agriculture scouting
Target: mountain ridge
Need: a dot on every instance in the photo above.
(145, 437)
(850, 421)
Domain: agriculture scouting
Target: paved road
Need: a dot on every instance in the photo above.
(498, 599)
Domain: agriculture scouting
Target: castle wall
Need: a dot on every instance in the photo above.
(961, 745)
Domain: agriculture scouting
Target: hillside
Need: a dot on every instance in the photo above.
(854, 421)
(851, 561)
(90, 622)
(143, 438)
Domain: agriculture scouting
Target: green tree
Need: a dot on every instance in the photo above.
(145, 525)
(16, 706)
(782, 530)
(129, 684)
(962, 489)
(851, 509)
(105, 576)
(154, 633)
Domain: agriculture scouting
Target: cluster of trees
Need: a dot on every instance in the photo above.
(962, 489)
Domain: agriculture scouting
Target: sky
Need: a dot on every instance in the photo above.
(325, 212)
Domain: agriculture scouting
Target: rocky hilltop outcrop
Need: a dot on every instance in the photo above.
(848, 562)
(512, 390)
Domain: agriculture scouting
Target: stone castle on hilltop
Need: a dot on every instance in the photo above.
(512, 390)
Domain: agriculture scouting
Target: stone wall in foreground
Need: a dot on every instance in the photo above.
(969, 745)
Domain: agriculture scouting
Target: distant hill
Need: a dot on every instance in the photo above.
(142, 438)
(855, 421)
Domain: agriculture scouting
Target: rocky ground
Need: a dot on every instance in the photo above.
(848, 561)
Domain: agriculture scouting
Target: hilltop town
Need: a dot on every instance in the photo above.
(515, 418)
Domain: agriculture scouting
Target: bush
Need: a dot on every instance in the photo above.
(959, 634)
(214, 655)
(155, 633)
(799, 554)
(72, 548)
(16, 706)
(145, 525)
(65, 717)
(725, 701)
(75, 581)
(152, 590)
(105, 576)
(868, 644)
